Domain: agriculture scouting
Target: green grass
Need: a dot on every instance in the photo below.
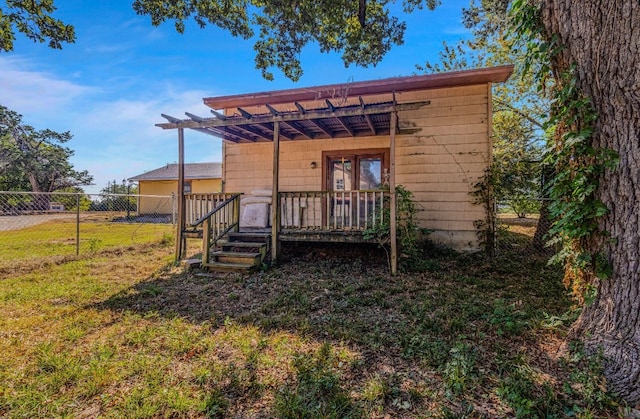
(55, 242)
(325, 334)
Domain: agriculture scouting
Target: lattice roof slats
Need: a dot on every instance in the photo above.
(330, 122)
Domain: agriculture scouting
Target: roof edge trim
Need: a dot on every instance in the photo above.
(364, 88)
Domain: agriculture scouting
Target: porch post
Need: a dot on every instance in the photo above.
(392, 190)
(181, 217)
(275, 202)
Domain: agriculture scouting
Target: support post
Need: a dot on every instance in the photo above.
(236, 213)
(206, 242)
(392, 190)
(181, 218)
(275, 202)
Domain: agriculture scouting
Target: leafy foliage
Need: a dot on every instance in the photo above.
(35, 159)
(363, 31)
(33, 19)
(408, 230)
(519, 107)
(578, 164)
(72, 197)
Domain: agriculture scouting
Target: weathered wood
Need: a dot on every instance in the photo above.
(245, 114)
(248, 118)
(206, 240)
(194, 117)
(322, 128)
(273, 110)
(392, 189)
(367, 117)
(299, 129)
(180, 240)
(275, 211)
(219, 115)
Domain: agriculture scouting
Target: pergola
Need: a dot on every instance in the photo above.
(301, 124)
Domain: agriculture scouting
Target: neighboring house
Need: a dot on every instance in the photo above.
(199, 178)
(326, 153)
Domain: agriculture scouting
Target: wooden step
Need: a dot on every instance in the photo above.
(246, 245)
(229, 267)
(249, 237)
(251, 258)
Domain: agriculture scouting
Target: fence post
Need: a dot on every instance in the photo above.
(77, 224)
(173, 208)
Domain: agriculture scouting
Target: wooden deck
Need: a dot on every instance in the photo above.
(328, 217)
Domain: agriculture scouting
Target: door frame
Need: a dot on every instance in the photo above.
(356, 155)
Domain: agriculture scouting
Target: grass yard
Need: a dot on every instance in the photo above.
(40, 245)
(327, 334)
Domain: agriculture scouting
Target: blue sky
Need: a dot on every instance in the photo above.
(109, 88)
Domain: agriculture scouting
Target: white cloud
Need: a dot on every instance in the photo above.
(115, 136)
(28, 91)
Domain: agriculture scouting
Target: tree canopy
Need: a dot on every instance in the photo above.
(518, 105)
(362, 30)
(35, 159)
(35, 20)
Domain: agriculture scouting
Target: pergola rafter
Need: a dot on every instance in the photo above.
(330, 122)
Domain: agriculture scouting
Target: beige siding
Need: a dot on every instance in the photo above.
(442, 151)
(250, 166)
(443, 158)
(162, 190)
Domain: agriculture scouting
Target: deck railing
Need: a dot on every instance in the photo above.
(218, 222)
(332, 210)
(197, 205)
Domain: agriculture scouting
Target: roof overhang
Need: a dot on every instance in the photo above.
(364, 88)
(330, 121)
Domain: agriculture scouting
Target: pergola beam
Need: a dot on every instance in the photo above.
(245, 114)
(339, 118)
(367, 118)
(297, 128)
(309, 115)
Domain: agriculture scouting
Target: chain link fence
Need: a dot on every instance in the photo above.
(523, 226)
(57, 225)
(41, 227)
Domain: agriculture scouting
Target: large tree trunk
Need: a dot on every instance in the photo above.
(602, 38)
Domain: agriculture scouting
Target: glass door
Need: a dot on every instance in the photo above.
(341, 180)
(350, 178)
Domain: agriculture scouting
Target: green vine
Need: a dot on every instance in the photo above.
(483, 195)
(407, 228)
(579, 165)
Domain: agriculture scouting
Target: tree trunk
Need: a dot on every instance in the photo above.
(539, 241)
(602, 39)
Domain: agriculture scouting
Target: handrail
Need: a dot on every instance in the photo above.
(215, 210)
(198, 204)
(218, 222)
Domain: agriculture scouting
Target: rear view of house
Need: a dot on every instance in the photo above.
(328, 155)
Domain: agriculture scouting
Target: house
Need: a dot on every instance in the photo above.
(155, 185)
(328, 155)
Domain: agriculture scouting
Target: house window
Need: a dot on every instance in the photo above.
(187, 186)
(356, 170)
